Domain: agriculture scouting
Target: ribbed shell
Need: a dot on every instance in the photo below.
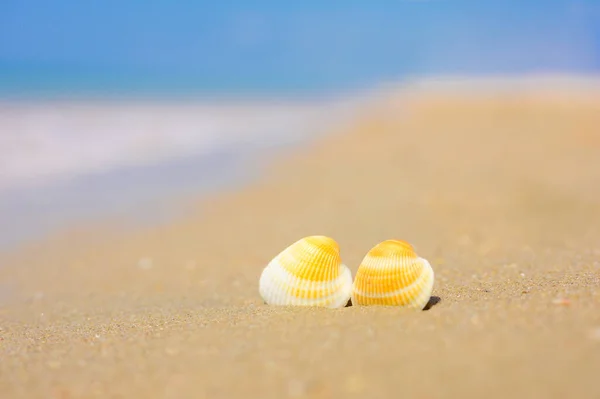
(309, 272)
(392, 274)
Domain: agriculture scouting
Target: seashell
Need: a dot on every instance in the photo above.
(392, 274)
(309, 272)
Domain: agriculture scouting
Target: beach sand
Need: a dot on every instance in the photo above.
(500, 192)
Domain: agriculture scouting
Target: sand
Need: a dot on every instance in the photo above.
(500, 192)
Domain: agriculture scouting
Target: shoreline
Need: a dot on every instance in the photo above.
(222, 157)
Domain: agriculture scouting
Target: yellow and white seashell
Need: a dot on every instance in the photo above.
(309, 272)
(392, 274)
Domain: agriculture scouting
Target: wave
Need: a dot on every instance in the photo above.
(41, 143)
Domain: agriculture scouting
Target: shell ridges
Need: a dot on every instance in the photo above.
(392, 274)
(309, 272)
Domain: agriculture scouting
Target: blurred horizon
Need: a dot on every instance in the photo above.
(159, 49)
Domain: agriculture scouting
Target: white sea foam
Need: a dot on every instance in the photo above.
(47, 142)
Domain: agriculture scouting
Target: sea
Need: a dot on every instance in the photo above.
(71, 160)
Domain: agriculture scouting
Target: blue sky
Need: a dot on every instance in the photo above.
(278, 45)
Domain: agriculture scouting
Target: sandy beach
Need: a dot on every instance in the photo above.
(500, 191)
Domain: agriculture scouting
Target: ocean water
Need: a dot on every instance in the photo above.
(68, 162)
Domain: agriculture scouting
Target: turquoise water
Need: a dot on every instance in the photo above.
(39, 82)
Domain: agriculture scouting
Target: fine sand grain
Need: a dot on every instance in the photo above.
(500, 192)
